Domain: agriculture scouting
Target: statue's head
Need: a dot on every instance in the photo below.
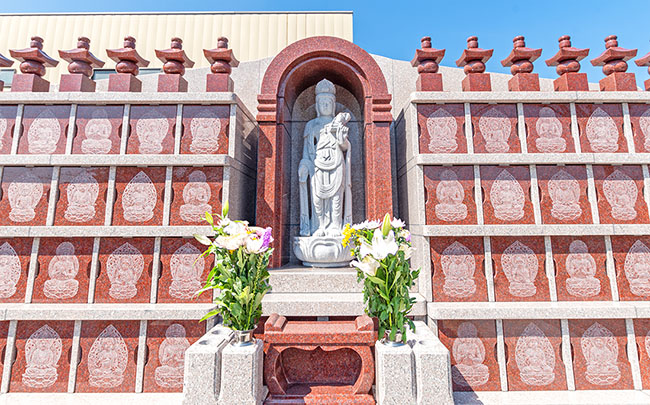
(325, 98)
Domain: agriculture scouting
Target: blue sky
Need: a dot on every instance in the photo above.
(394, 28)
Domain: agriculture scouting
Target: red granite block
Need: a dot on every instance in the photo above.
(449, 195)
(601, 128)
(442, 128)
(563, 195)
(472, 345)
(124, 82)
(7, 123)
(64, 266)
(548, 128)
(15, 255)
(182, 272)
(506, 195)
(205, 129)
(76, 82)
(642, 332)
(429, 82)
(98, 130)
(44, 129)
(25, 194)
(29, 82)
(218, 82)
(458, 269)
(477, 82)
(109, 350)
(82, 191)
(524, 82)
(618, 81)
(196, 191)
(167, 342)
(319, 362)
(4, 331)
(571, 81)
(640, 118)
(171, 83)
(519, 270)
(580, 268)
(599, 354)
(124, 273)
(632, 259)
(495, 128)
(619, 192)
(533, 355)
(42, 356)
(152, 129)
(140, 194)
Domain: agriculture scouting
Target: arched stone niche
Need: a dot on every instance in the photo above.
(291, 73)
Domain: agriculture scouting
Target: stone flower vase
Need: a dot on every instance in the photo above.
(394, 343)
(242, 338)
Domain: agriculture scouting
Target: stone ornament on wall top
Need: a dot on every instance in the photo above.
(44, 133)
(42, 355)
(549, 129)
(24, 194)
(151, 129)
(97, 132)
(507, 197)
(581, 267)
(139, 199)
(469, 352)
(62, 270)
(458, 266)
(602, 132)
(644, 123)
(450, 195)
(495, 128)
(535, 357)
(520, 265)
(171, 355)
(324, 176)
(124, 267)
(10, 270)
(637, 269)
(196, 197)
(82, 193)
(107, 359)
(621, 194)
(187, 266)
(442, 128)
(564, 190)
(205, 128)
(600, 349)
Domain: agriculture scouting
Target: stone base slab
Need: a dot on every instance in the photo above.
(477, 82)
(571, 82)
(124, 82)
(29, 82)
(524, 82)
(171, 83)
(242, 374)
(299, 279)
(618, 82)
(76, 82)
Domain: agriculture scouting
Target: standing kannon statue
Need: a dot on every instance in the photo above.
(324, 176)
(42, 355)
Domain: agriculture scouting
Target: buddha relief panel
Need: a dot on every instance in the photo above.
(495, 128)
(82, 193)
(25, 193)
(441, 128)
(601, 128)
(196, 191)
(15, 254)
(642, 333)
(640, 119)
(183, 271)
(7, 123)
(205, 129)
(44, 130)
(506, 194)
(548, 128)
(458, 273)
(125, 270)
(632, 260)
(152, 130)
(98, 130)
(620, 194)
(449, 195)
(519, 269)
(140, 193)
(580, 268)
(563, 196)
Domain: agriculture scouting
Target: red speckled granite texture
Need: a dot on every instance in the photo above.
(170, 246)
(166, 346)
(642, 332)
(129, 332)
(621, 194)
(190, 198)
(583, 288)
(27, 208)
(76, 182)
(640, 118)
(474, 350)
(190, 125)
(53, 123)
(484, 117)
(522, 263)
(615, 112)
(319, 361)
(555, 204)
(4, 331)
(450, 210)
(143, 284)
(105, 124)
(533, 355)
(24, 331)
(461, 256)
(441, 119)
(122, 178)
(601, 350)
(12, 251)
(489, 175)
(152, 129)
(7, 122)
(67, 262)
(551, 115)
(635, 250)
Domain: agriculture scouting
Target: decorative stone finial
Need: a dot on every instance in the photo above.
(33, 63)
(222, 61)
(614, 62)
(427, 60)
(174, 63)
(473, 61)
(127, 67)
(521, 61)
(567, 62)
(645, 61)
(81, 63)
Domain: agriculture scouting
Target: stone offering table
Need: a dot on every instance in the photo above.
(319, 362)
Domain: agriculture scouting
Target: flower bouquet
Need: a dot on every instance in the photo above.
(240, 272)
(382, 251)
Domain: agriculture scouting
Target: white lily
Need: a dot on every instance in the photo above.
(366, 225)
(408, 251)
(232, 242)
(382, 247)
(235, 227)
(368, 265)
(254, 244)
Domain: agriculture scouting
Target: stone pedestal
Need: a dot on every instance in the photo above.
(524, 82)
(477, 82)
(618, 81)
(241, 374)
(172, 83)
(321, 251)
(571, 82)
(218, 82)
(76, 82)
(394, 379)
(124, 82)
(429, 82)
(30, 82)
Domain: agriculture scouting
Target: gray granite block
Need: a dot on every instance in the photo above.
(242, 374)
(432, 367)
(394, 375)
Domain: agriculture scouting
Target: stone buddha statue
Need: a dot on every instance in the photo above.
(324, 180)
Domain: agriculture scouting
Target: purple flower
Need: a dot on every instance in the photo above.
(265, 235)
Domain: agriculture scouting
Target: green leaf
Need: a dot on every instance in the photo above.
(224, 210)
(202, 239)
(208, 217)
(376, 280)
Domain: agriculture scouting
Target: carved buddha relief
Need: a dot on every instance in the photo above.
(507, 197)
(107, 359)
(44, 133)
(186, 266)
(564, 191)
(124, 267)
(205, 128)
(458, 266)
(602, 132)
(469, 353)
(644, 124)
(98, 133)
(637, 269)
(621, 194)
(3, 129)
(600, 349)
(520, 266)
(581, 267)
(196, 195)
(495, 128)
(535, 357)
(151, 130)
(549, 131)
(82, 193)
(139, 198)
(171, 355)
(42, 355)
(450, 195)
(24, 194)
(62, 270)
(442, 128)
(10, 270)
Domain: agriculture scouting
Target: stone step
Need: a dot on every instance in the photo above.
(300, 279)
